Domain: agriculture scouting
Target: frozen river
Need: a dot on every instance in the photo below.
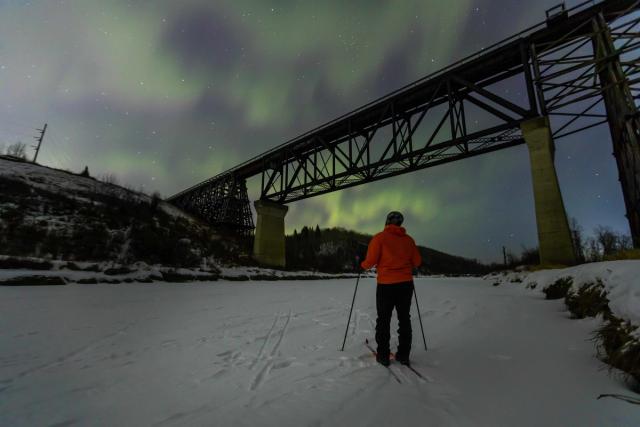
(267, 353)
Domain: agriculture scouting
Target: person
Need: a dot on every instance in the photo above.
(395, 255)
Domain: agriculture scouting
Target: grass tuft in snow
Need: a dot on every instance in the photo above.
(588, 301)
(618, 347)
(559, 288)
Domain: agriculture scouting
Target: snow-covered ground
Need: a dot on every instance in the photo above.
(267, 353)
(621, 279)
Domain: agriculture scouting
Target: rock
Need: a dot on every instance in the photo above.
(171, 276)
(17, 263)
(207, 277)
(117, 271)
(34, 281)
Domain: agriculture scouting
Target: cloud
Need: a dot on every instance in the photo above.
(166, 94)
(203, 37)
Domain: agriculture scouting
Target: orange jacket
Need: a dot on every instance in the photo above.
(394, 253)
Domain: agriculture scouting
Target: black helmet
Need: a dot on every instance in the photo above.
(394, 217)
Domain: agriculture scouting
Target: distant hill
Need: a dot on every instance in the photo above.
(334, 250)
(56, 214)
(59, 215)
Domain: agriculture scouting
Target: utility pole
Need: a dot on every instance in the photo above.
(504, 255)
(39, 138)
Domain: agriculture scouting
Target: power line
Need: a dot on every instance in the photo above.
(53, 148)
(62, 146)
(66, 161)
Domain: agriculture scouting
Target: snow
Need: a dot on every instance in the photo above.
(143, 271)
(267, 354)
(63, 182)
(57, 181)
(621, 279)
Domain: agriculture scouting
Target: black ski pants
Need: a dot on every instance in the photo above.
(396, 295)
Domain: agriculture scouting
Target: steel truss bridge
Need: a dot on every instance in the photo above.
(580, 67)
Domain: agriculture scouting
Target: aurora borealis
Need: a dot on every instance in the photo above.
(164, 94)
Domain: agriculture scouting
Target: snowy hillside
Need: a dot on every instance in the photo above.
(67, 183)
(267, 354)
(53, 214)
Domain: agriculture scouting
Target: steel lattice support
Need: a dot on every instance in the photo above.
(590, 76)
(223, 203)
(617, 76)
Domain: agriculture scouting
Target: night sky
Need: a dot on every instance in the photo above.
(164, 94)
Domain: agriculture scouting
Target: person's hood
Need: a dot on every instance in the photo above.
(395, 229)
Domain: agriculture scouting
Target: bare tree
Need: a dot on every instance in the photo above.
(109, 178)
(607, 239)
(592, 249)
(625, 242)
(530, 256)
(17, 150)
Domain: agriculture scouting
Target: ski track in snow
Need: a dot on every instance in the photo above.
(267, 353)
(266, 341)
(62, 359)
(264, 372)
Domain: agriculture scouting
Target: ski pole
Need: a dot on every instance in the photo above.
(349, 321)
(420, 318)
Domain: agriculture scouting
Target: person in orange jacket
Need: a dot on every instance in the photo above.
(395, 255)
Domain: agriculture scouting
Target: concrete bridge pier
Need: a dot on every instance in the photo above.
(554, 235)
(268, 245)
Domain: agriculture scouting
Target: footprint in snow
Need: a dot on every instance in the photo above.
(500, 357)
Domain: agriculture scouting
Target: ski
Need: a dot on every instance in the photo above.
(392, 357)
(388, 367)
(415, 371)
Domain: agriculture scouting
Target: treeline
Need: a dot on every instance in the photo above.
(337, 250)
(603, 245)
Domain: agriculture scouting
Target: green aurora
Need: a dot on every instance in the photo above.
(164, 94)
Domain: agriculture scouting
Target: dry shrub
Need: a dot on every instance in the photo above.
(559, 288)
(589, 301)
